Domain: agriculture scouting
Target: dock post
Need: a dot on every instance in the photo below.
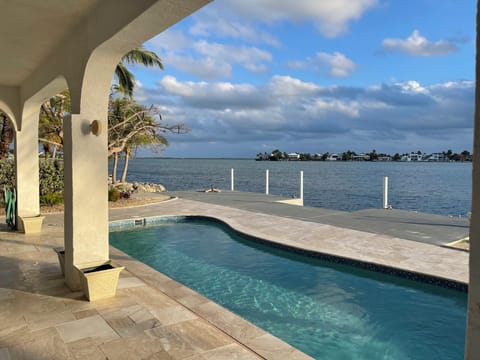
(266, 182)
(301, 185)
(385, 192)
(232, 180)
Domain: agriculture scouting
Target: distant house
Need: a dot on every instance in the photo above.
(384, 158)
(437, 157)
(333, 157)
(293, 156)
(412, 157)
(361, 157)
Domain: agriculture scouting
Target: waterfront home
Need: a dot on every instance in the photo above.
(361, 157)
(293, 156)
(333, 157)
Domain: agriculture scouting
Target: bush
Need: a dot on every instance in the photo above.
(51, 177)
(51, 199)
(113, 195)
(50, 173)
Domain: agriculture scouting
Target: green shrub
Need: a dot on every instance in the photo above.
(51, 199)
(51, 177)
(113, 195)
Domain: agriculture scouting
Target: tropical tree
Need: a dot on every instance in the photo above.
(131, 125)
(50, 127)
(125, 78)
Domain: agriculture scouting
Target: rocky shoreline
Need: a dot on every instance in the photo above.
(137, 187)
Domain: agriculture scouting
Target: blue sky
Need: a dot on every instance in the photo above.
(315, 76)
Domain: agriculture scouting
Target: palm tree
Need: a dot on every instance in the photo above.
(125, 79)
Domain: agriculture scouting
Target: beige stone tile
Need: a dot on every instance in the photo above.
(141, 315)
(85, 349)
(133, 348)
(189, 338)
(129, 282)
(48, 319)
(44, 344)
(150, 298)
(232, 324)
(271, 347)
(231, 352)
(85, 313)
(168, 315)
(94, 327)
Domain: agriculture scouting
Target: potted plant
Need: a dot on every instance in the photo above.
(99, 280)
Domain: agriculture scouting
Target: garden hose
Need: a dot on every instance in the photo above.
(10, 200)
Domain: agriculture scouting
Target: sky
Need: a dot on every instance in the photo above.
(316, 76)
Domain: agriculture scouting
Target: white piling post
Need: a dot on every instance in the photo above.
(266, 182)
(232, 180)
(385, 192)
(301, 185)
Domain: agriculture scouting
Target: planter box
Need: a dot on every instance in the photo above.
(99, 281)
(30, 225)
(61, 258)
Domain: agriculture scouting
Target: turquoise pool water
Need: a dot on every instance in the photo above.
(329, 311)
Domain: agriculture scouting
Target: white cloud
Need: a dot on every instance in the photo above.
(206, 68)
(214, 23)
(231, 53)
(207, 60)
(330, 17)
(286, 109)
(335, 65)
(418, 45)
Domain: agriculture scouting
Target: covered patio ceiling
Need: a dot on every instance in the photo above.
(31, 32)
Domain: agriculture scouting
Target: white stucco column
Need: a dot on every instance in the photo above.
(472, 350)
(86, 203)
(26, 165)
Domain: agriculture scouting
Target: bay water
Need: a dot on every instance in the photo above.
(436, 188)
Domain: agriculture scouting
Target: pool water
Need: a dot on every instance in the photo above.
(329, 311)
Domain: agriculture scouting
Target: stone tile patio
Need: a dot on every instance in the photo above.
(153, 316)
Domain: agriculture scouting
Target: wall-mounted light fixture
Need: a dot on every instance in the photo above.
(96, 127)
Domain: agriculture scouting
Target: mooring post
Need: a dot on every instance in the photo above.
(301, 185)
(266, 182)
(385, 192)
(232, 180)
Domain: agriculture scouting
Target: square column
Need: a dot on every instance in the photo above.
(85, 195)
(27, 176)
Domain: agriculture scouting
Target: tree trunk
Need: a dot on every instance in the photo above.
(6, 136)
(115, 165)
(46, 150)
(54, 153)
(125, 167)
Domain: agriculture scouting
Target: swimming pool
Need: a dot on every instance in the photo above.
(327, 310)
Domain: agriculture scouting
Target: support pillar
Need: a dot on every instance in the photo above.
(472, 349)
(85, 194)
(27, 176)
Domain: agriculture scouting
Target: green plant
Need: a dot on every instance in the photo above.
(51, 177)
(113, 195)
(51, 199)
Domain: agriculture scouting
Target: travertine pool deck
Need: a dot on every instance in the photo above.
(154, 317)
